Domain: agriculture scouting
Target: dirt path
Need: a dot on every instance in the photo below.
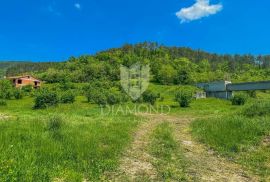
(203, 165)
(3, 117)
(136, 164)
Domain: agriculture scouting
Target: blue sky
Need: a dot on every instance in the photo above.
(54, 30)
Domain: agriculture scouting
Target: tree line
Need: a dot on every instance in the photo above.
(169, 65)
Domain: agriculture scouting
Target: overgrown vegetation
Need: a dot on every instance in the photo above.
(67, 97)
(45, 98)
(45, 145)
(184, 98)
(232, 134)
(150, 97)
(69, 143)
(260, 108)
(239, 99)
(240, 137)
(3, 102)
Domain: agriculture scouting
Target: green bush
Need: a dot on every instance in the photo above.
(6, 89)
(45, 98)
(149, 97)
(97, 96)
(100, 98)
(67, 97)
(27, 88)
(252, 93)
(91, 90)
(18, 94)
(257, 109)
(184, 98)
(114, 98)
(3, 102)
(66, 86)
(103, 93)
(239, 99)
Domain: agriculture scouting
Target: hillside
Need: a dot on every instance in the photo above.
(169, 65)
(82, 125)
(4, 65)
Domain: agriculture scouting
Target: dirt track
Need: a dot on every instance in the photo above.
(204, 164)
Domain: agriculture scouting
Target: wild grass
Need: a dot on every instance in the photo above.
(170, 162)
(68, 142)
(240, 136)
(257, 109)
(72, 142)
(230, 135)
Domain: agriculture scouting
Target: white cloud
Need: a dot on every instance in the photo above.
(200, 9)
(77, 5)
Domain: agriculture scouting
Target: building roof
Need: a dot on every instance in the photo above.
(24, 77)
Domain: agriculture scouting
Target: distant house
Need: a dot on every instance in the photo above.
(20, 81)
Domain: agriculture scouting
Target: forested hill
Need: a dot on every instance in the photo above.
(4, 65)
(30, 67)
(169, 65)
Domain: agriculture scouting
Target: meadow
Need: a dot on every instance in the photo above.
(71, 142)
(75, 142)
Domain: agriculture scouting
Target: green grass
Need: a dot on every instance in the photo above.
(257, 160)
(239, 135)
(257, 109)
(230, 135)
(170, 162)
(71, 142)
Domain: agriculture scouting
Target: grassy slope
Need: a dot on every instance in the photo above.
(224, 129)
(85, 145)
(88, 144)
(240, 137)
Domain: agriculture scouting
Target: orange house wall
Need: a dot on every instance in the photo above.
(26, 82)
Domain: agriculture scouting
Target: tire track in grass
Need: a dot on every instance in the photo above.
(204, 164)
(136, 163)
(170, 161)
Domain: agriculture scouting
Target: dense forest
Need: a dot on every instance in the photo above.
(169, 65)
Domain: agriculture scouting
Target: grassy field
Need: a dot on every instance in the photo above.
(242, 136)
(75, 142)
(69, 142)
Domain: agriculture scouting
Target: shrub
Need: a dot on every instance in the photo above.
(90, 91)
(45, 98)
(161, 99)
(113, 98)
(27, 88)
(67, 97)
(149, 97)
(18, 94)
(66, 86)
(257, 109)
(101, 99)
(239, 99)
(184, 98)
(252, 93)
(6, 89)
(3, 102)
